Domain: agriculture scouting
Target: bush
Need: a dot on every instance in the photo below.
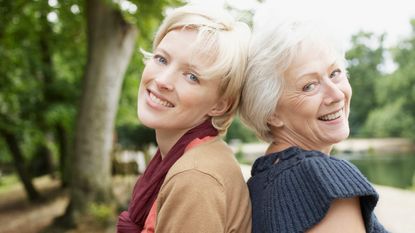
(102, 213)
(135, 137)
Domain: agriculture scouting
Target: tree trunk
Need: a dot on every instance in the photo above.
(19, 164)
(64, 170)
(111, 43)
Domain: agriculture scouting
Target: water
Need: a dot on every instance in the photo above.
(397, 170)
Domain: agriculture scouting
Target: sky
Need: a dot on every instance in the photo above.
(346, 17)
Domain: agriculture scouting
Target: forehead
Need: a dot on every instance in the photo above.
(178, 39)
(312, 57)
(185, 45)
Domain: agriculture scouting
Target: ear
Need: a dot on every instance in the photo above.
(275, 120)
(219, 108)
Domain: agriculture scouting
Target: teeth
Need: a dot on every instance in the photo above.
(159, 101)
(333, 116)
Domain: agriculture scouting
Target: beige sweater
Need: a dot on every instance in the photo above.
(204, 192)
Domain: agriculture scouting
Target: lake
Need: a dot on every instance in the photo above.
(394, 169)
(397, 170)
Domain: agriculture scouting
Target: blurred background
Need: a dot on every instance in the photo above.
(71, 146)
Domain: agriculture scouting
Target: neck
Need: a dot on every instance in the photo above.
(166, 140)
(282, 142)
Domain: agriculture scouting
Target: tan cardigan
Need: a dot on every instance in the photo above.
(204, 192)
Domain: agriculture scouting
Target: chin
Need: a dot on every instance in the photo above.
(341, 136)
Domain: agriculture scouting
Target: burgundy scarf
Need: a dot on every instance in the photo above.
(148, 186)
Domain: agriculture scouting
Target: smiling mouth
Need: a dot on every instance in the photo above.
(332, 116)
(159, 101)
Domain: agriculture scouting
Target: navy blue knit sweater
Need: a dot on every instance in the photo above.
(295, 193)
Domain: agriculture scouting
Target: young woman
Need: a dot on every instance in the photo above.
(297, 97)
(189, 92)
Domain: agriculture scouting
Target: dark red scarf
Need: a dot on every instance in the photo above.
(148, 186)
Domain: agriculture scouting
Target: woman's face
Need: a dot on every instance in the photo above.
(314, 107)
(172, 94)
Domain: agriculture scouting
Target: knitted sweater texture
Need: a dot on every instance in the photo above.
(294, 193)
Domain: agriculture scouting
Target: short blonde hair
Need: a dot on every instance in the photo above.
(272, 51)
(224, 37)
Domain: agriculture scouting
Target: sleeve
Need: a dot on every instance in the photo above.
(302, 194)
(191, 201)
(377, 227)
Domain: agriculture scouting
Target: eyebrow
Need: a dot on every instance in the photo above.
(163, 51)
(307, 73)
(191, 66)
(194, 68)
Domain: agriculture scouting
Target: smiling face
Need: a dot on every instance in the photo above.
(173, 97)
(314, 107)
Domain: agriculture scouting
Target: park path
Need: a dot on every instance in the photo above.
(17, 215)
(395, 209)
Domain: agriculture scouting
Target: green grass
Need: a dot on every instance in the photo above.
(7, 182)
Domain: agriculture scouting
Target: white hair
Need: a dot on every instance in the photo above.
(272, 51)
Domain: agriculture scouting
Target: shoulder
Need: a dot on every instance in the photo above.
(297, 190)
(214, 159)
(208, 180)
(311, 171)
(191, 193)
(334, 178)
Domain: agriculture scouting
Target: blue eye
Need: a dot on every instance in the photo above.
(336, 73)
(309, 87)
(192, 77)
(160, 59)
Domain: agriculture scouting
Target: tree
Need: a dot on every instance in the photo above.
(39, 88)
(19, 163)
(364, 70)
(111, 42)
(19, 90)
(395, 94)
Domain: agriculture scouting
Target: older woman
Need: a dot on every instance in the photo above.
(297, 97)
(189, 91)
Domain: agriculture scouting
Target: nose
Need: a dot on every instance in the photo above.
(165, 80)
(333, 93)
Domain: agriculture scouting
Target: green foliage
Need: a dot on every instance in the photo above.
(389, 121)
(7, 182)
(238, 131)
(4, 153)
(135, 136)
(101, 213)
(41, 68)
(395, 96)
(245, 15)
(365, 59)
(43, 62)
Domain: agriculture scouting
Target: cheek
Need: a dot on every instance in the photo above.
(144, 76)
(346, 88)
(149, 71)
(143, 81)
(199, 101)
(300, 105)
